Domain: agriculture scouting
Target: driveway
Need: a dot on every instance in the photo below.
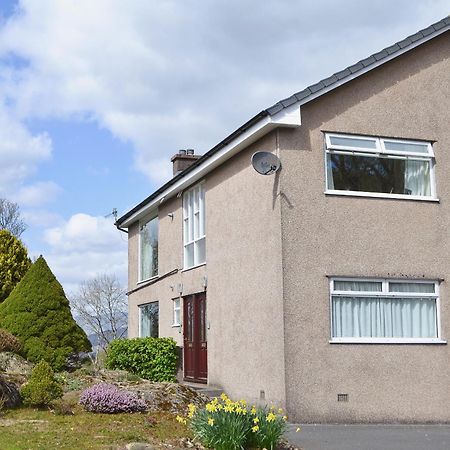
(370, 437)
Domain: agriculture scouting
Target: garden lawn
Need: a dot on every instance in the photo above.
(30, 429)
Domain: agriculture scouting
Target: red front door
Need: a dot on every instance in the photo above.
(195, 344)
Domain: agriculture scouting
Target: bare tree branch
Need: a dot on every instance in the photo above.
(100, 305)
(10, 218)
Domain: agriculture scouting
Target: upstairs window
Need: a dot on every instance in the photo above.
(148, 248)
(380, 310)
(372, 166)
(194, 226)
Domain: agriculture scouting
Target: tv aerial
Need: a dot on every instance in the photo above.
(265, 163)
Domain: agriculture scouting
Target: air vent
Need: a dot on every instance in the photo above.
(342, 397)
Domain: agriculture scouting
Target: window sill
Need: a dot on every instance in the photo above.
(387, 341)
(147, 279)
(380, 195)
(176, 325)
(193, 267)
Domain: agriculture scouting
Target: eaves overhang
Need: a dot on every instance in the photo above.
(250, 132)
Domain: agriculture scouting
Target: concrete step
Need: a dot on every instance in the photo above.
(209, 391)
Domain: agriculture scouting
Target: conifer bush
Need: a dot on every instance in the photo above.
(14, 262)
(42, 388)
(38, 313)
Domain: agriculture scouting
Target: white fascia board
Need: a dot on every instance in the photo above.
(288, 117)
(373, 65)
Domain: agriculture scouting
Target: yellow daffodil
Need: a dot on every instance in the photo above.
(223, 396)
(297, 430)
(255, 428)
(181, 419)
(211, 408)
(255, 420)
(280, 411)
(271, 417)
(210, 422)
(253, 410)
(243, 402)
(285, 418)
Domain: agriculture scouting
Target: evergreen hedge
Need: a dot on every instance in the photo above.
(151, 358)
(38, 313)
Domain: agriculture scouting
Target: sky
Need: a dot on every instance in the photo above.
(96, 96)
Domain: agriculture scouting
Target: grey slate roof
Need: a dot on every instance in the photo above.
(311, 91)
(364, 64)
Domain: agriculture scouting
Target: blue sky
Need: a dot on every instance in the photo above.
(96, 96)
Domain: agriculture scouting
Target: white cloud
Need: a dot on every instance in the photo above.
(37, 194)
(169, 75)
(20, 152)
(85, 246)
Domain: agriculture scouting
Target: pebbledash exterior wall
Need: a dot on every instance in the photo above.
(326, 235)
(244, 278)
(272, 242)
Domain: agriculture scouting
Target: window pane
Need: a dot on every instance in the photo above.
(384, 317)
(362, 286)
(352, 142)
(411, 287)
(189, 255)
(373, 174)
(200, 251)
(150, 320)
(149, 249)
(406, 147)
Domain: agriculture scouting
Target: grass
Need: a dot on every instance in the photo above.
(31, 429)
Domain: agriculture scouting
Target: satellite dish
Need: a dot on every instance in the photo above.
(265, 163)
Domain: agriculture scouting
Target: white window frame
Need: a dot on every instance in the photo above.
(379, 151)
(385, 293)
(175, 310)
(201, 212)
(144, 220)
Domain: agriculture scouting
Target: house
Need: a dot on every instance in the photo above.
(323, 288)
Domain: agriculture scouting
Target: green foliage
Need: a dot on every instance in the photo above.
(42, 387)
(38, 313)
(226, 425)
(154, 359)
(8, 342)
(14, 263)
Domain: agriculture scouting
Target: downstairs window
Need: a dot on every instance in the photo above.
(384, 311)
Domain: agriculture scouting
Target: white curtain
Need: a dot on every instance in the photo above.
(149, 320)
(384, 317)
(362, 286)
(417, 177)
(145, 253)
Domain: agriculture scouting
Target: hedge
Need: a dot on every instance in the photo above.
(151, 358)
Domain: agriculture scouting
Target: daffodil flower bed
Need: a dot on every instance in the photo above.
(227, 425)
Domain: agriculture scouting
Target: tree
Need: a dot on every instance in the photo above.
(38, 313)
(100, 306)
(14, 263)
(10, 218)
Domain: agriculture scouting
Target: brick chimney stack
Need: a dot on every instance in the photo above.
(183, 159)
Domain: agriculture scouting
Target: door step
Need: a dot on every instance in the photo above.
(209, 391)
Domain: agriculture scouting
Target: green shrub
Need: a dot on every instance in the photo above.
(154, 359)
(226, 425)
(42, 387)
(14, 262)
(8, 342)
(38, 313)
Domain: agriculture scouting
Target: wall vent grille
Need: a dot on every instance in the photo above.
(342, 397)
